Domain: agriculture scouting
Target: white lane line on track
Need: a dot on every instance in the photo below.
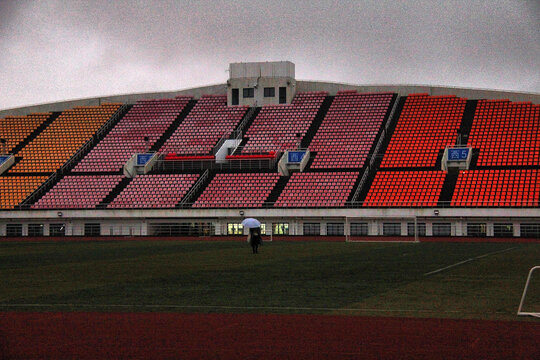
(468, 260)
(222, 307)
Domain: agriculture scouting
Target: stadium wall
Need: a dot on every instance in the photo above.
(301, 86)
(139, 222)
(219, 89)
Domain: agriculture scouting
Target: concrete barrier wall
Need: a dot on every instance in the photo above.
(220, 89)
(301, 86)
(403, 90)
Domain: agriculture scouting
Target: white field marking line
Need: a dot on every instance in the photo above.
(226, 307)
(468, 260)
(383, 242)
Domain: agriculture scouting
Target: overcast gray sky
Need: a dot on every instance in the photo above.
(60, 50)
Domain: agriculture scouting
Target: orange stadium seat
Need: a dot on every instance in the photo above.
(61, 140)
(14, 129)
(15, 189)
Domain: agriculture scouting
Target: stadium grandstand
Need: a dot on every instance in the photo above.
(304, 157)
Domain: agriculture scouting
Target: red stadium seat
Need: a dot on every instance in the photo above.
(405, 189)
(506, 133)
(427, 124)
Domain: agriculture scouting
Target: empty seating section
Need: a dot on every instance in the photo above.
(276, 126)
(405, 188)
(147, 118)
(318, 189)
(61, 140)
(349, 129)
(208, 121)
(15, 129)
(78, 192)
(15, 189)
(237, 190)
(506, 133)
(155, 191)
(496, 188)
(426, 125)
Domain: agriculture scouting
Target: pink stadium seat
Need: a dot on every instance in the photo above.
(248, 190)
(349, 129)
(149, 118)
(276, 126)
(205, 125)
(155, 191)
(78, 192)
(317, 189)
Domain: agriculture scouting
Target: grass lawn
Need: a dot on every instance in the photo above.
(380, 279)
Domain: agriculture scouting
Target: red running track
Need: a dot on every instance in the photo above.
(251, 336)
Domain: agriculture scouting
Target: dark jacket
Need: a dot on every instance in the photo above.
(255, 236)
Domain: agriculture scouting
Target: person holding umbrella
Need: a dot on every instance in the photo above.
(254, 236)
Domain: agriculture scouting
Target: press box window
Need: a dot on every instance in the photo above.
(282, 95)
(235, 97)
(269, 92)
(248, 92)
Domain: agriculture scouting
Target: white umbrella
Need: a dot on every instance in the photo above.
(251, 223)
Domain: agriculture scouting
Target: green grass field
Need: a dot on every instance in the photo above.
(382, 279)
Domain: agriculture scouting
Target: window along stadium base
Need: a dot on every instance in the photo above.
(520, 309)
(380, 235)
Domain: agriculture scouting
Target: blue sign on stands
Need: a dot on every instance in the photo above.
(142, 159)
(4, 158)
(458, 154)
(296, 156)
